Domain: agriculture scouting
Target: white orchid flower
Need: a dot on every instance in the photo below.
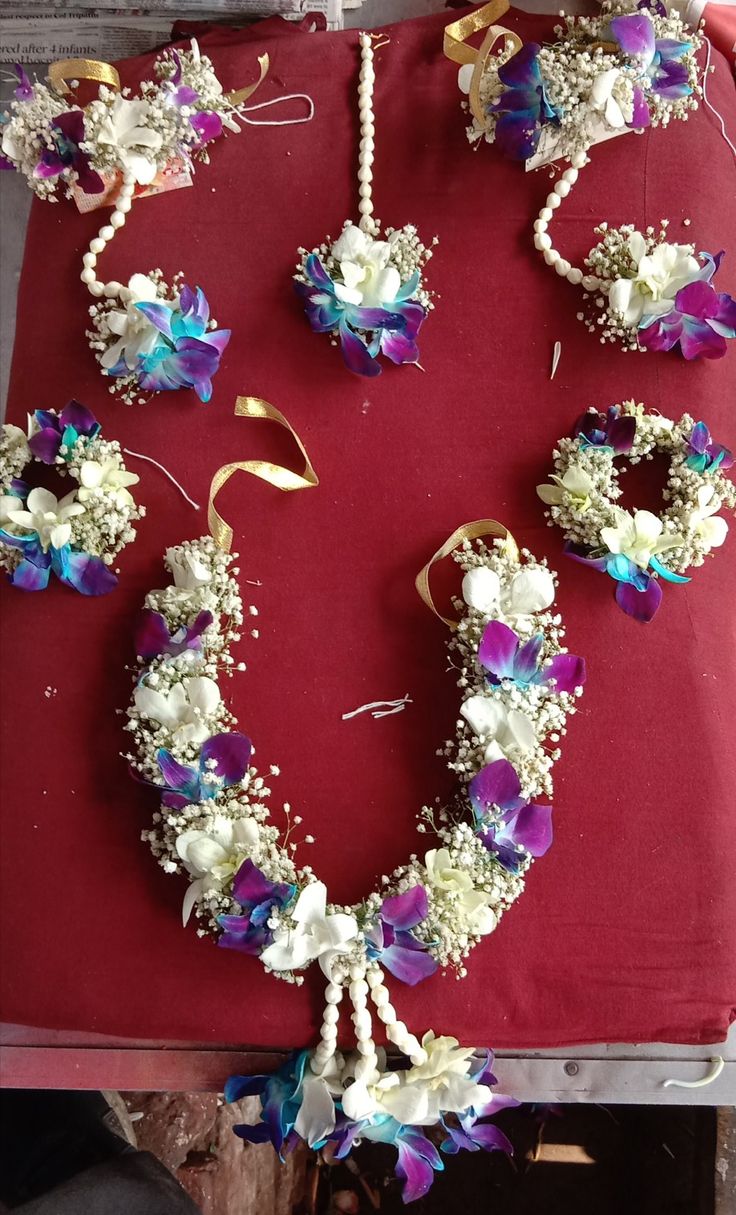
(573, 489)
(530, 590)
(188, 572)
(639, 537)
(439, 1085)
(471, 905)
(136, 335)
(47, 516)
(128, 129)
(316, 1117)
(368, 280)
(659, 275)
(317, 933)
(8, 503)
(705, 520)
(213, 855)
(502, 729)
(602, 99)
(106, 476)
(187, 709)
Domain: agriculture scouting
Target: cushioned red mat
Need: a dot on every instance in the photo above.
(627, 929)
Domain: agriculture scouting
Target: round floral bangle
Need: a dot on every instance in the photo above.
(78, 537)
(639, 550)
(518, 686)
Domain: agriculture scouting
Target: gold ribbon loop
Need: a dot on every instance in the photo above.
(82, 69)
(274, 474)
(469, 531)
(238, 96)
(456, 47)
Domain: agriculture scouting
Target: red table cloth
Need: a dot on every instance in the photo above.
(627, 928)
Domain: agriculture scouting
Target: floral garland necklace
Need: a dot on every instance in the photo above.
(366, 289)
(518, 684)
(639, 550)
(625, 69)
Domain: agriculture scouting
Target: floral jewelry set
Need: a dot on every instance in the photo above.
(517, 680)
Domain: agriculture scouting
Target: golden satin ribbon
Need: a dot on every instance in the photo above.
(238, 96)
(455, 45)
(469, 531)
(82, 69)
(274, 474)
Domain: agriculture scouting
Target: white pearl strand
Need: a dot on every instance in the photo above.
(396, 1030)
(95, 286)
(542, 239)
(367, 135)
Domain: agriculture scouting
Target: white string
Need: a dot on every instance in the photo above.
(149, 460)
(381, 708)
(717, 1066)
(242, 111)
(712, 108)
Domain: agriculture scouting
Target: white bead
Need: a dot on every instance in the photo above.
(357, 971)
(570, 175)
(364, 1069)
(89, 259)
(107, 233)
(328, 1033)
(88, 275)
(562, 188)
(590, 282)
(96, 288)
(358, 990)
(542, 241)
(331, 1015)
(362, 1019)
(553, 200)
(578, 160)
(562, 267)
(365, 206)
(540, 225)
(546, 213)
(112, 289)
(124, 203)
(367, 144)
(367, 1047)
(574, 276)
(380, 994)
(551, 256)
(365, 190)
(387, 1013)
(365, 174)
(333, 993)
(96, 245)
(419, 1057)
(117, 219)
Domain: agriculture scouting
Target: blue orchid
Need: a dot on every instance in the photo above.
(703, 454)
(249, 933)
(612, 431)
(45, 545)
(660, 58)
(57, 433)
(524, 107)
(281, 1096)
(506, 657)
(391, 941)
(637, 592)
(223, 756)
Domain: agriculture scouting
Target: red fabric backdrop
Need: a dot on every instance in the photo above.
(627, 928)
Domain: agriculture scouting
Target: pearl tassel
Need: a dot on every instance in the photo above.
(327, 1046)
(367, 135)
(88, 276)
(396, 1030)
(542, 239)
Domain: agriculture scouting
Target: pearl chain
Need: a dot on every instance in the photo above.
(367, 134)
(88, 276)
(542, 239)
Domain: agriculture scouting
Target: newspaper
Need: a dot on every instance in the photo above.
(47, 30)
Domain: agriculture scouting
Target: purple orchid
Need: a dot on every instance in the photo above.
(506, 657)
(701, 320)
(390, 940)
(638, 594)
(153, 638)
(24, 89)
(394, 328)
(188, 352)
(610, 429)
(659, 57)
(82, 572)
(61, 430)
(249, 933)
(703, 454)
(507, 824)
(281, 1099)
(524, 107)
(67, 131)
(465, 1131)
(224, 756)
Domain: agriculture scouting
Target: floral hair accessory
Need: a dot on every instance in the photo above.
(639, 550)
(77, 537)
(365, 289)
(518, 686)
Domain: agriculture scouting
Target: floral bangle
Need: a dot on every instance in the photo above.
(78, 537)
(639, 550)
(519, 684)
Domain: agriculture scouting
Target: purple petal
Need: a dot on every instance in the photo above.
(24, 90)
(517, 135)
(71, 126)
(635, 35)
(699, 340)
(356, 354)
(663, 333)
(409, 965)
(50, 165)
(208, 126)
(698, 299)
(178, 776)
(159, 315)
(642, 605)
(237, 1087)
(417, 1160)
(671, 80)
(231, 754)
(497, 649)
(725, 317)
(621, 434)
(30, 577)
(700, 438)
(317, 273)
(533, 829)
(45, 445)
(152, 634)
(526, 661)
(399, 347)
(496, 784)
(521, 71)
(489, 1137)
(578, 553)
(568, 672)
(251, 887)
(641, 116)
(78, 416)
(88, 575)
(407, 909)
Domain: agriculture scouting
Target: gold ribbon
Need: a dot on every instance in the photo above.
(469, 531)
(274, 474)
(238, 96)
(455, 45)
(82, 69)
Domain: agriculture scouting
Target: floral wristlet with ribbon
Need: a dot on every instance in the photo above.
(518, 686)
(630, 67)
(149, 335)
